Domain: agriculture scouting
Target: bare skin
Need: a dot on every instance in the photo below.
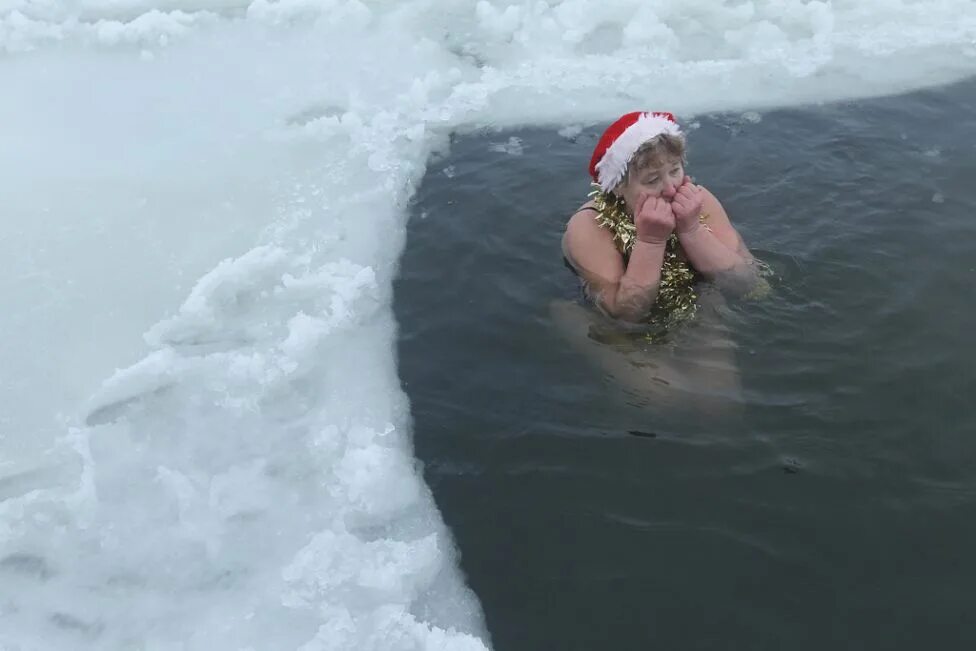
(700, 370)
(663, 200)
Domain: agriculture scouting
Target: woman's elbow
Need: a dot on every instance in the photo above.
(605, 300)
(628, 307)
(739, 281)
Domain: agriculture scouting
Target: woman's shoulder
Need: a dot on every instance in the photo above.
(589, 249)
(583, 222)
(589, 208)
(713, 208)
(709, 200)
(589, 205)
(585, 237)
(584, 217)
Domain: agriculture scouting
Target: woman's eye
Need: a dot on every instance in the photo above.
(675, 171)
(652, 181)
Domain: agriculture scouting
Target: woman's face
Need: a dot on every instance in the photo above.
(661, 180)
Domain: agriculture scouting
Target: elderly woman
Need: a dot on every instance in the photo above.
(640, 247)
(649, 232)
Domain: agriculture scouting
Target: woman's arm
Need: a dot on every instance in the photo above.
(623, 293)
(715, 248)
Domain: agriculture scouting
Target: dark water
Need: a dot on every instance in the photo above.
(837, 511)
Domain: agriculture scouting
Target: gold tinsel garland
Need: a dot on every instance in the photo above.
(676, 296)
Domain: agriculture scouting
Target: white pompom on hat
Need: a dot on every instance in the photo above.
(622, 139)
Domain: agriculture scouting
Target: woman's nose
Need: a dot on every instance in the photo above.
(670, 188)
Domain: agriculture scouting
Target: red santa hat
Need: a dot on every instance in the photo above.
(622, 139)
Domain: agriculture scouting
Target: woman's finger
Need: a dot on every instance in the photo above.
(641, 200)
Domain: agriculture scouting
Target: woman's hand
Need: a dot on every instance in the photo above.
(687, 206)
(654, 219)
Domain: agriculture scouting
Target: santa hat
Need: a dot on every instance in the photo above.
(622, 139)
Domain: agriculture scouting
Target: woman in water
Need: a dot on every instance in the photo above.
(640, 247)
(649, 231)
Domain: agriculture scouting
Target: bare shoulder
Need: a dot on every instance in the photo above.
(712, 206)
(583, 231)
(720, 223)
(584, 212)
(590, 249)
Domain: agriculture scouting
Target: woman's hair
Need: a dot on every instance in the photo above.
(655, 152)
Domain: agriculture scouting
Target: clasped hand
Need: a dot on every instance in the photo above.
(656, 217)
